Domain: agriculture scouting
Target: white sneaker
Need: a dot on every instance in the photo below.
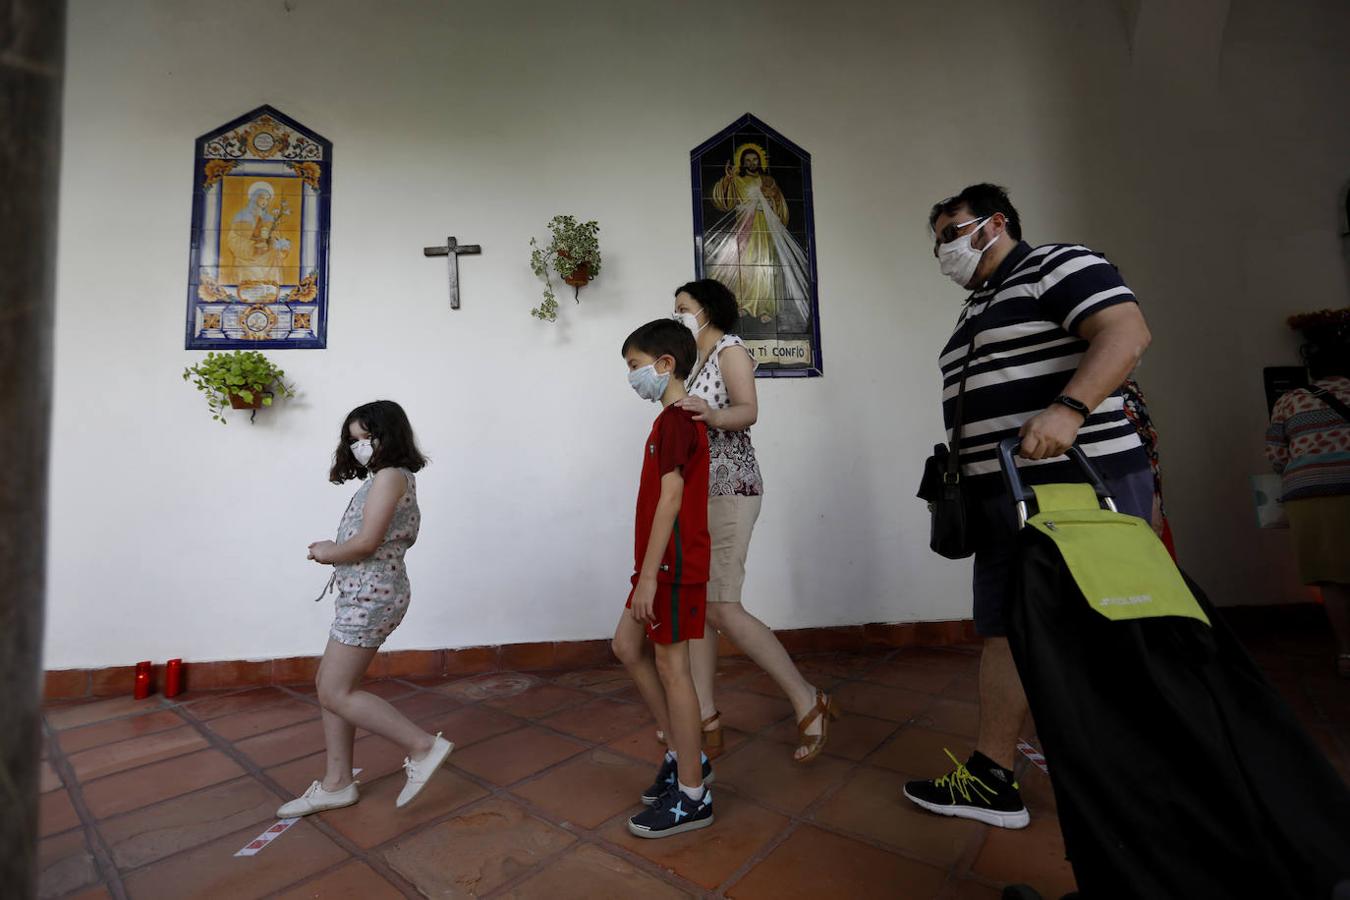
(420, 772)
(316, 799)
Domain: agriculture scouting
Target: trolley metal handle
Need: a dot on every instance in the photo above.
(1022, 495)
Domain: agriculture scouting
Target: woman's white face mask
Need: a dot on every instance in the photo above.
(958, 259)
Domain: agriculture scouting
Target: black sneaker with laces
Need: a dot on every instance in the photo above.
(666, 779)
(673, 813)
(979, 790)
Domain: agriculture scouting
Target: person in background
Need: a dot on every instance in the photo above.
(1308, 444)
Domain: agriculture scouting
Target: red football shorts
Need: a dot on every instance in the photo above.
(679, 610)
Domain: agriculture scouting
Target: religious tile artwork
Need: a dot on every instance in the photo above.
(754, 230)
(258, 270)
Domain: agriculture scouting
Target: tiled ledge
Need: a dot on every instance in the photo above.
(69, 684)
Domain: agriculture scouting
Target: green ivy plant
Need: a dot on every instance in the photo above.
(244, 374)
(573, 252)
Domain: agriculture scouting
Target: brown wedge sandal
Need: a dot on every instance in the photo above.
(712, 737)
(826, 709)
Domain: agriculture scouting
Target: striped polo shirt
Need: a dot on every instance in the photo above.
(1025, 321)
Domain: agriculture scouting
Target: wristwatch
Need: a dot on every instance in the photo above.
(1075, 405)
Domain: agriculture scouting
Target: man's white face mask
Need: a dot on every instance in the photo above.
(958, 259)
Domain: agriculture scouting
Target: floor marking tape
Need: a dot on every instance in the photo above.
(277, 830)
(1033, 754)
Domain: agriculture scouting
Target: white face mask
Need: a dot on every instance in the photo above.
(363, 451)
(649, 383)
(958, 260)
(689, 320)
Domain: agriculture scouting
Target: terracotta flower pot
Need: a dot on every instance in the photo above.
(580, 277)
(238, 402)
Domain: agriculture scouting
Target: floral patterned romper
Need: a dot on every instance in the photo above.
(373, 594)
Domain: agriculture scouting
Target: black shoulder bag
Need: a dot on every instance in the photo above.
(950, 533)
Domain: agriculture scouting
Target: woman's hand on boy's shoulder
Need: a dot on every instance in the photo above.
(696, 405)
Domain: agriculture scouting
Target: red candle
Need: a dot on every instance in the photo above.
(142, 680)
(173, 678)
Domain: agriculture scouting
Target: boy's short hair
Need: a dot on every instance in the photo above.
(665, 337)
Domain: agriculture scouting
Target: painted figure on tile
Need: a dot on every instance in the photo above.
(750, 249)
(259, 251)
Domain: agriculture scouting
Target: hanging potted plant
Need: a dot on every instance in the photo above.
(573, 252)
(244, 379)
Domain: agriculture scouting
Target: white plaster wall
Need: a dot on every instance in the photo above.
(173, 536)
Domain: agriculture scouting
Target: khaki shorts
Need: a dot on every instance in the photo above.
(1321, 527)
(731, 520)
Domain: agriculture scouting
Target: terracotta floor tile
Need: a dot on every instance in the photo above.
(936, 658)
(425, 704)
(913, 676)
(539, 701)
(601, 720)
(213, 705)
(158, 781)
(964, 687)
(490, 686)
(246, 724)
(388, 688)
(852, 737)
(969, 890)
(817, 668)
(871, 805)
(48, 779)
(814, 863)
(109, 758)
(373, 755)
(65, 864)
(1033, 855)
(587, 873)
(881, 701)
(100, 711)
(751, 712)
(56, 813)
(918, 752)
(710, 855)
(760, 683)
(507, 758)
(950, 716)
(590, 789)
(477, 851)
(764, 771)
(150, 834)
(97, 892)
(641, 744)
(471, 724)
(76, 739)
(375, 819)
(283, 744)
(352, 881)
(597, 681)
(213, 872)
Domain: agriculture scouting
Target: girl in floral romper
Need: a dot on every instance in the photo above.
(381, 522)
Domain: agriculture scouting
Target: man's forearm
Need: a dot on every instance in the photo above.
(1111, 356)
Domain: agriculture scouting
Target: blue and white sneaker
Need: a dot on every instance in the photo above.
(673, 813)
(666, 779)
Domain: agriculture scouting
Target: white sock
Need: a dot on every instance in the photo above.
(693, 793)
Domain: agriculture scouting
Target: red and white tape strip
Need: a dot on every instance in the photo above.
(1034, 755)
(261, 841)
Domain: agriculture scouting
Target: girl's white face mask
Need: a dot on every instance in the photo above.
(958, 259)
(363, 451)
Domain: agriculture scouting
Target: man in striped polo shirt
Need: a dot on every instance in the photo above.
(1046, 339)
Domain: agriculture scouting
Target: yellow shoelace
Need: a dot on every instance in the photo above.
(961, 780)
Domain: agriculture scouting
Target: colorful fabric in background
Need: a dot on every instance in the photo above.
(1136, 410)
(1308, 443)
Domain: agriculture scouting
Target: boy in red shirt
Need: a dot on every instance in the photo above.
(670, 578)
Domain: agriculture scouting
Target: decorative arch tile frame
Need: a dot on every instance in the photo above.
(258, 269)
(754, 230)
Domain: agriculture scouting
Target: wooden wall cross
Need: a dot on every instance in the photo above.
(453, 249)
